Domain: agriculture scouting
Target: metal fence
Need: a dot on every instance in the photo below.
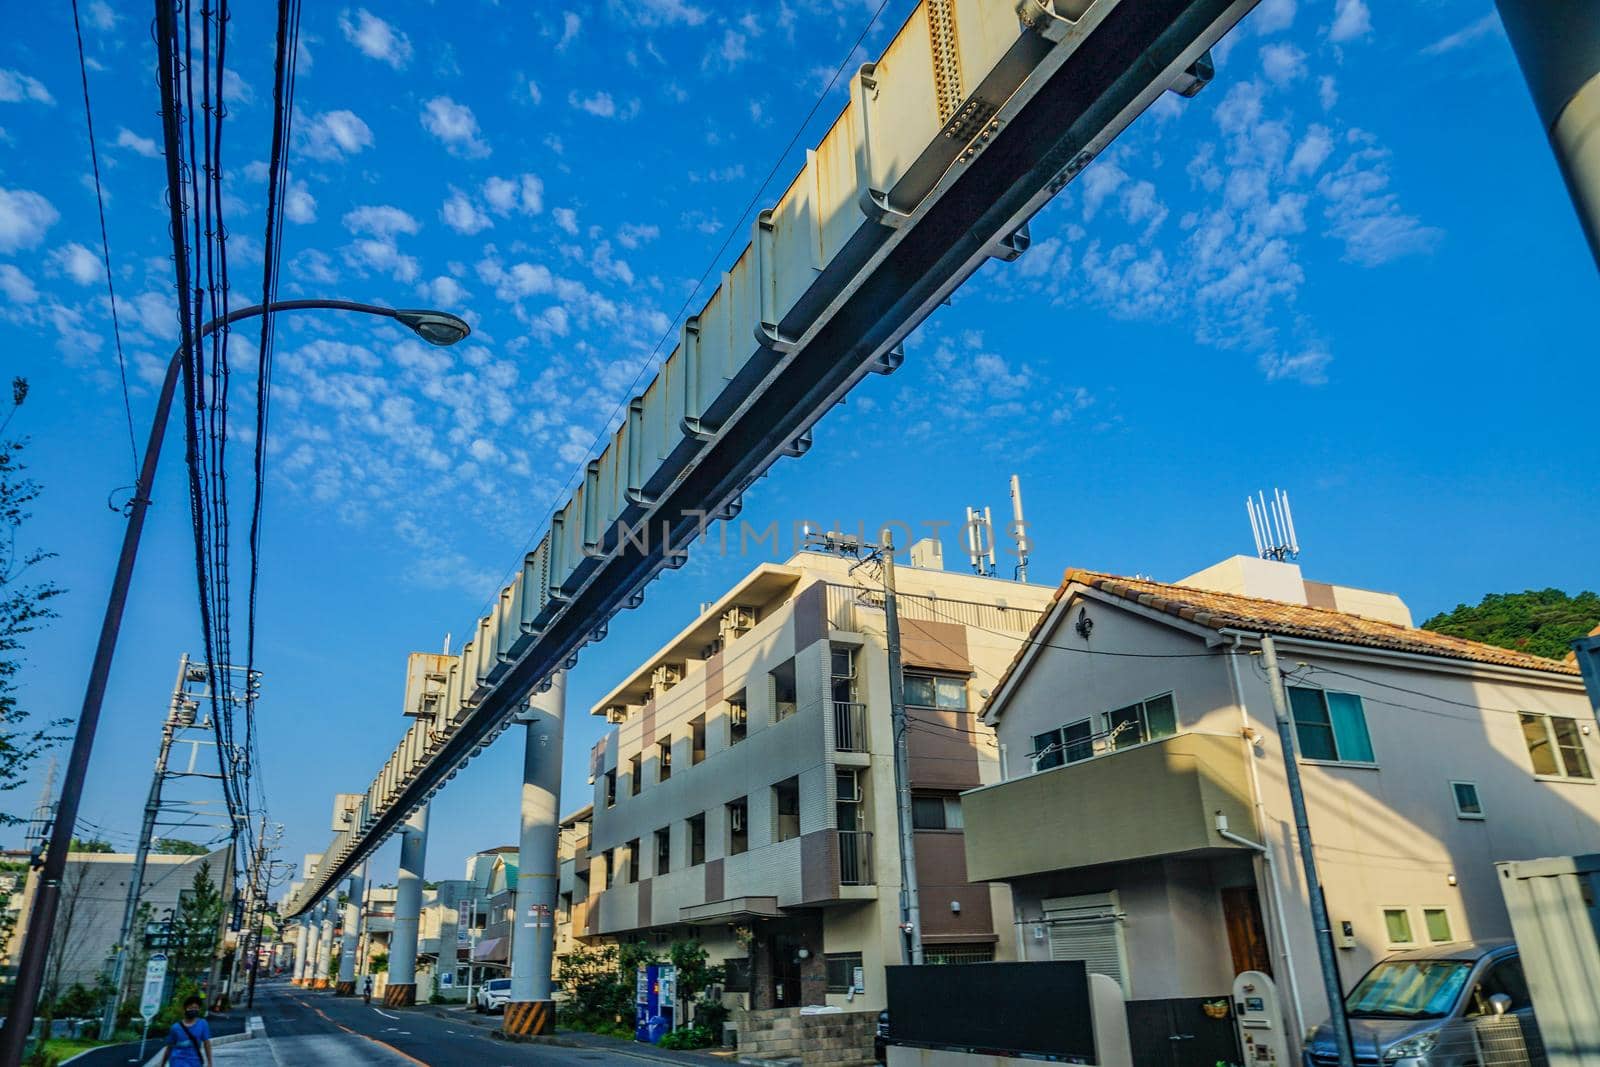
(849, 726)
(845, 600)
(855, 857)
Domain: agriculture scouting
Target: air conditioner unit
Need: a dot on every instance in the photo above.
(736, 820)
(616, 713)
(666, 676)
(738, 621)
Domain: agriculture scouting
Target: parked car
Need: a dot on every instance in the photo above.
(1444, 1006)
(493, 995)
(880, 1042)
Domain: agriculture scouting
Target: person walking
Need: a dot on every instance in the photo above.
(189, 1040)
(366, 989)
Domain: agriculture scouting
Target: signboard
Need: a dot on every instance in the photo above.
(155, 983)
(668, 978)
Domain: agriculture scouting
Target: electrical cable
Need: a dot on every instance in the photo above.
(105, 241)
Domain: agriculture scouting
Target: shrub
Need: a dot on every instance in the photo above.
(690, 1037)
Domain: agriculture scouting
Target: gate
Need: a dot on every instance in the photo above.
(1181, 1033)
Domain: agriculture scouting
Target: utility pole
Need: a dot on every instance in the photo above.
(141, 854)
(910, 908)
(1337, 1020)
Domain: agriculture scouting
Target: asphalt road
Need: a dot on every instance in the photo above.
(318, 1028)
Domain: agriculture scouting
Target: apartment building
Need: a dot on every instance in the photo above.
(746, 796)
(572, 880)
(1144, 825)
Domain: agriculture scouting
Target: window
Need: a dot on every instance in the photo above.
(958, 953)
(842, 673)
(1047, 750)
(738, 718)
(697, 740)
(697, 839)
(1437, 922)
(1330, 726)
(1468, 806)
(842, 970)
(1503, 977)
(1555, 746)
(663, 850)
(606, 860)
(784, 697)
(739, 826)
(635, 774)
(633, 861)
(663, 760)
(936, 812)
(1397, 924)
(1136, 724)
(1071, 743)
(738, 975)
(611, 789)
(786, 809)
(847, 800)
(936, 691)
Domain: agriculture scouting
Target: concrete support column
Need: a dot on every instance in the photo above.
(1558, 46)
(402, 989)
(308, 968)
(324, 948)
(532, 1009)
(302, 949)
(354, 891)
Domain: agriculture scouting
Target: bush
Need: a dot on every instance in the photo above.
(76, 1003)
(711, 1014)
(690, 1037)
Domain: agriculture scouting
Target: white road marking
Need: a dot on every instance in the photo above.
(385, 1014)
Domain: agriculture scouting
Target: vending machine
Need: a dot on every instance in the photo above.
(655, 989)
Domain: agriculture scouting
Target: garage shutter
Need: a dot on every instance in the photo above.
(1088, 928)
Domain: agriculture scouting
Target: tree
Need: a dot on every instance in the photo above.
(173, 846)
(92, 844)
(24, 606)
(197, 927)
(1542, 622)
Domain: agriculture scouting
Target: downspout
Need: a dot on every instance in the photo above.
(1265, 850)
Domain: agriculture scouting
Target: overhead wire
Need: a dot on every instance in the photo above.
(105, 241)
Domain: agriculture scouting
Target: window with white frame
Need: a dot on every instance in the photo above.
(1468, 804)
(1330, 726)
(936, 691)
(1436, 921)
(1555, 746)
(930, 811)
(1397, 926)
(1135, 724)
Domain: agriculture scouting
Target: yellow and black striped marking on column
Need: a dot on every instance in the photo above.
(529, 1018)
(344, 989)
(400, 996)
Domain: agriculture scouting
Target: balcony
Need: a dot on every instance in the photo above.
(849, 726)
(855, 857)
(1156, 799)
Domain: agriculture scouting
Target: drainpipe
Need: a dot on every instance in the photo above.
(1275, 892)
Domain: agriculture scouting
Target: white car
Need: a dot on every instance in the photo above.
(493, 995)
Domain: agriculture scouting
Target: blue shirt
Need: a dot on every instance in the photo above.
(186, 1053)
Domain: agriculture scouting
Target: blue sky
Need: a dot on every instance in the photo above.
(1348, 268)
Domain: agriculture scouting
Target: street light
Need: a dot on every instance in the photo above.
(435, 327)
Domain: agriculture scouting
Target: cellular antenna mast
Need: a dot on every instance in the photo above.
(1272, 526)
(979, 532)
(1019, 529)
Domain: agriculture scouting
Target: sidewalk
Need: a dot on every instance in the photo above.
(581, 1039)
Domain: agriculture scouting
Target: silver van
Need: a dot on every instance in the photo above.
(1452, 1005)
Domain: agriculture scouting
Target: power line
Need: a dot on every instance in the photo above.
(105, 241)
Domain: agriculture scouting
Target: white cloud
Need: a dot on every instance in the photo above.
(77, 263)
(455, 125)
(144, 146)
(1365, 214)
(634, 234)
(533, 92)
(376, 38)
(16, 286)
(570, 25)
(335, 135)
(1327, 92)
(1351, 21)
(24, 218)
(1271, 16)
(599, 103)
(1486, 26)
(523, 194)
(380, 220)
(1309, 367)
(444, 292)
(1283, 63)
(298, 203)
(733, 51)
(668, 12)
(16, 87)
(101, 17)
(462, 215)
(567, 219)
(1312, 152)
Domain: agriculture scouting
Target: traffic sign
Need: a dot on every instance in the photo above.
(155, 982)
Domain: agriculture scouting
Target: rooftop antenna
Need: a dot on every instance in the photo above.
(979, 531)
(1272, 526)
(1019, 529)
(447, 643)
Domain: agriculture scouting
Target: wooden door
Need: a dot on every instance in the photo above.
(1247, 935)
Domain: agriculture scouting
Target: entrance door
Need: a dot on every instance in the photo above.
(1247, 935)
(785, 972)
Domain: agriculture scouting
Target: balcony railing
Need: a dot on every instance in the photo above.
(855, 857)
(849, 726)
